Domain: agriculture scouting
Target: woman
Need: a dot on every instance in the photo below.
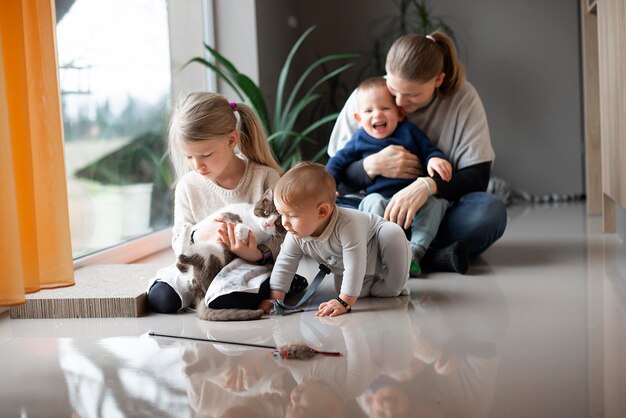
(427, 80)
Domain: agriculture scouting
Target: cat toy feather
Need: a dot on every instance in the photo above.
(298, 351)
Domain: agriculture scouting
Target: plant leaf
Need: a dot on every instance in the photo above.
(292, 116)
(326, 119)
(230, 67)
(330, 75)
(217, 70)
(320, 153)
(326, 77)
(282, 79)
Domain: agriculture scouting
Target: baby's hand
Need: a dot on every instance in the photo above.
(440, 166)
(331, 308)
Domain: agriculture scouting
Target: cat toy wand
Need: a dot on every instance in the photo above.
(297, 351)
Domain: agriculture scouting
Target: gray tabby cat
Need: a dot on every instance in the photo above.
(209, 257)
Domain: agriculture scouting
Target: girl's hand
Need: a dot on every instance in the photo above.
(393, 161)
(267, 305)
(245, 250)
(209, 231)
(440, 166)
(404, 204)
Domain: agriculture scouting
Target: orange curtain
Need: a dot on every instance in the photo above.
(35, 247)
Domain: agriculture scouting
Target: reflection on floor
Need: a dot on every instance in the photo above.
(536, 329)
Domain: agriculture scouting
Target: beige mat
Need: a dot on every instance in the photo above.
(103, 291)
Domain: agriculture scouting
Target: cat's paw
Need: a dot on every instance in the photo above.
(241, 232)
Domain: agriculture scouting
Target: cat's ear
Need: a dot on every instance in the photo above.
(269, 194)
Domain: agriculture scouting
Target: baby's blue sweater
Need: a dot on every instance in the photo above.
(362, 145)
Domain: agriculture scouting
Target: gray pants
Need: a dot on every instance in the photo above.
(425, 223)
(395, 261)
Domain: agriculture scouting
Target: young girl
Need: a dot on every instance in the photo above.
(203, 135)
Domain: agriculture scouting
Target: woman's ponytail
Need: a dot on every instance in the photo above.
(452, 68)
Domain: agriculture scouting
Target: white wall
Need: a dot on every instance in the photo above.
(186, 42)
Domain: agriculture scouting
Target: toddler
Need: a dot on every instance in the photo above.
(368, 255)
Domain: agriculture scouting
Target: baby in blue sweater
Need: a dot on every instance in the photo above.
(381, 125)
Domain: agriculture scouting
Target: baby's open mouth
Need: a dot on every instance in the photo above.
(380, 126)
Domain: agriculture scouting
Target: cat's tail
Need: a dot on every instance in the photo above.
(209, 314)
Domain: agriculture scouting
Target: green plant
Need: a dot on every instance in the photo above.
(414, 16)
(284, 135)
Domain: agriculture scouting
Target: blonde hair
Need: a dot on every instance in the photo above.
(422, 58)
(203, 116)
(304, 183)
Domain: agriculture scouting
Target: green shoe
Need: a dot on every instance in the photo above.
(415, 269)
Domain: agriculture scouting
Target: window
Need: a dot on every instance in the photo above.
(115, 89)
(114, 69)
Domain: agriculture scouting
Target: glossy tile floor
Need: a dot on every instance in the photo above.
(537, 329)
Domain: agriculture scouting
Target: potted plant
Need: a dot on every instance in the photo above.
(285, 138)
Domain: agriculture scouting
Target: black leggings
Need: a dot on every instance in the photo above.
(162, 297)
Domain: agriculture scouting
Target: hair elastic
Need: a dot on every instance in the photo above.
(431, 38)
(233, 105)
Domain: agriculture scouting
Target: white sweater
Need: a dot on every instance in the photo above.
(197, 197)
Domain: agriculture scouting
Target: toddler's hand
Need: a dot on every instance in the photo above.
(441, 166)
(331, 308)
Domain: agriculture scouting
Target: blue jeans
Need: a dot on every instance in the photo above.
(478, 219)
